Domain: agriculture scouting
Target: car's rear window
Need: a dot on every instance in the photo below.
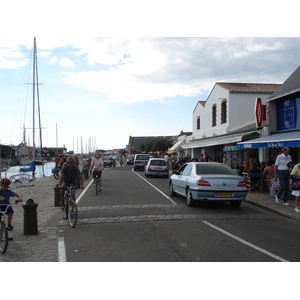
(214, 169)
(142, 157)
(158, 163)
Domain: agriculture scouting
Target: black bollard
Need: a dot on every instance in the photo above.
(56, 195)
(30, 217)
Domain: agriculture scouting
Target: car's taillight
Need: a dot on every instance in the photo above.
(242, 184)
(149, 168)
(202, 183)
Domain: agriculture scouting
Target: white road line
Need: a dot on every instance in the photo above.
(246, 243)
(61, 250)
(154, 187)
(83, 192)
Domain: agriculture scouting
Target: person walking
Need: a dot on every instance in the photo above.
(281, 171)
(296, 193)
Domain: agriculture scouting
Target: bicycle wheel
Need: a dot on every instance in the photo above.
(65, 207)
(97, 185)
(56, 174)
(72, 213)
(4, 238)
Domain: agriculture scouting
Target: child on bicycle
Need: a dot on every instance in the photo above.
(5, 195)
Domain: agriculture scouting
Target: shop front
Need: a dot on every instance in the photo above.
(274, 144)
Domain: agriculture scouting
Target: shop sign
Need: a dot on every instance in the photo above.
(258, 111)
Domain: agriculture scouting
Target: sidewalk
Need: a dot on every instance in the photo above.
(43, 247)
(264, 200)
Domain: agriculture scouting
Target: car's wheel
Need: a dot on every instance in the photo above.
(171, 190)
(189, 198)
(235, 203)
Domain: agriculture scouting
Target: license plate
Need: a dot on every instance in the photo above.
(225, 195)
(158, 168)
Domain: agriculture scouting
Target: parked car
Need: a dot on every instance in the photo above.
(140, 161)
(204, 181)
(157, 167)
(109, 161)
(130, 159)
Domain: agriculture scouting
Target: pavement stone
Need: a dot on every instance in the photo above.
(43, 247)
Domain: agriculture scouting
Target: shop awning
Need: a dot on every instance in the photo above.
(220, 140)
(278, 140)
(176, 145)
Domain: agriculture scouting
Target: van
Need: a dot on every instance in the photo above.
(140, 161)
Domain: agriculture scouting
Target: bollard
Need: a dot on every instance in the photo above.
(56, 195)
(30, 217)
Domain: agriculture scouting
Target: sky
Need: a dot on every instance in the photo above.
(95, 92)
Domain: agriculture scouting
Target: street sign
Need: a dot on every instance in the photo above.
(258, 112)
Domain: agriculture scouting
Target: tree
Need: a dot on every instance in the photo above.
(157, 145)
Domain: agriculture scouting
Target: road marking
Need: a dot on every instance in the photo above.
(61, 250)
(83, 192)
(246, 243)
(154, 187)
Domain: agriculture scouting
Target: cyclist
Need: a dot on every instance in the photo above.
(69, 175)
(5, 194)
(96, 167)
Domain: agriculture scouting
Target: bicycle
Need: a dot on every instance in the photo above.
(3, 229)
(56, 171)
(98, 182)
(70, 207)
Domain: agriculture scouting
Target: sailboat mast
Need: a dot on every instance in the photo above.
(33, 100)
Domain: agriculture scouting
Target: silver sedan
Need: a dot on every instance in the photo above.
(206, 181)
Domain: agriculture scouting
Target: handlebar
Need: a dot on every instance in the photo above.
(8, 205)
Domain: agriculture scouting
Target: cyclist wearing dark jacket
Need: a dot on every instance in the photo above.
(68, 175)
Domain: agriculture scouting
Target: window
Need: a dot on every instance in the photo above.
(198, 123)
(224, 111)
(297, 112)
(214, 115)
(285, 115)
(187, 170)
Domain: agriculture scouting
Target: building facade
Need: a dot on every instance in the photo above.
(226, 118)
(283, 128)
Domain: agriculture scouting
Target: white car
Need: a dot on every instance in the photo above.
(204, 181)
(157, 167)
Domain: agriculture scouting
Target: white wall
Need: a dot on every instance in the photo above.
(240, 112)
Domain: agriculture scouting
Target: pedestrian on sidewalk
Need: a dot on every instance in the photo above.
(296, 193)
(281, 171)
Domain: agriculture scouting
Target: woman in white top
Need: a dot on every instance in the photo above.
(97, 166)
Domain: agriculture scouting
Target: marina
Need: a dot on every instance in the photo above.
(38, 171)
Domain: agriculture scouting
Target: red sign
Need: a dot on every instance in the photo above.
(258, 112)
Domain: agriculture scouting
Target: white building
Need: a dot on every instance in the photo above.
(226, 118)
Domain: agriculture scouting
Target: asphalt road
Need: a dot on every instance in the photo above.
(135, 220)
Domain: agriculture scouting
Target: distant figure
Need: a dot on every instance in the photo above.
(281, 170)
(244, 169)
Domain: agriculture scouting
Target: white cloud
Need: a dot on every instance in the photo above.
(66, 62)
